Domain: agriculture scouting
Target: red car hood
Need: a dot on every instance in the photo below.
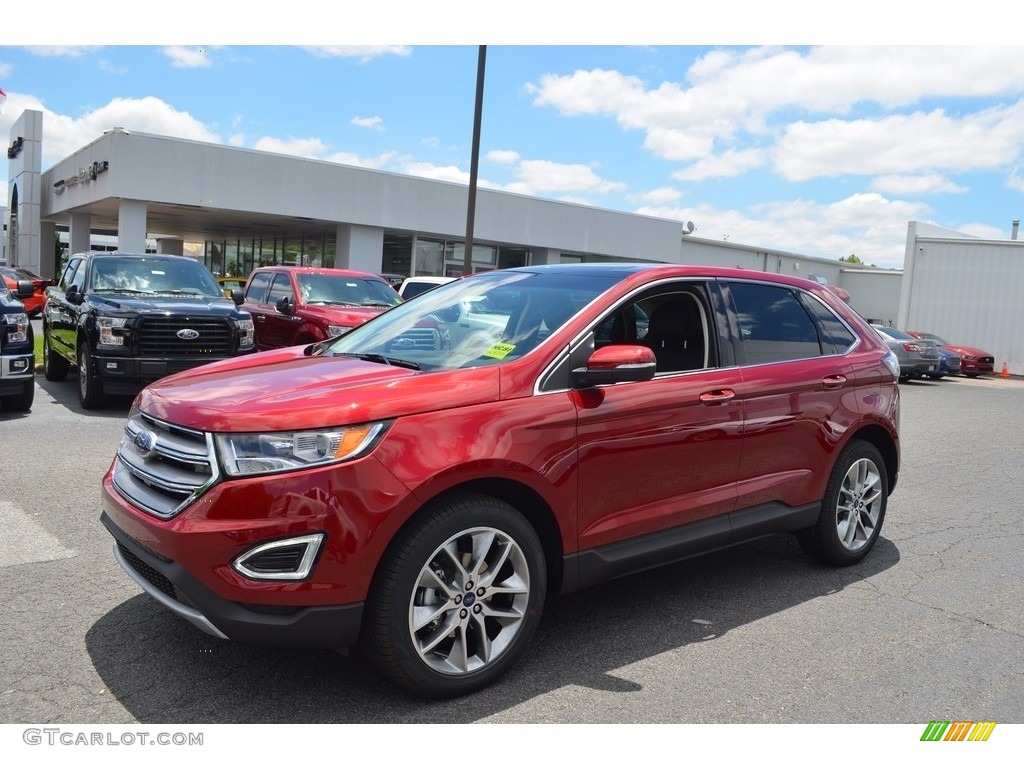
(336, 315)
(284, 389)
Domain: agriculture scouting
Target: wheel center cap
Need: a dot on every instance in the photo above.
(468, 599)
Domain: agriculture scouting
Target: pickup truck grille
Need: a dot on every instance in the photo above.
(416, 338)
(159, 337)
(162, 468)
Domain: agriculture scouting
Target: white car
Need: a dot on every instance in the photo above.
(414, 286)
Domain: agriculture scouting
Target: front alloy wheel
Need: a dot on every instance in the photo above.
(853, 509)
(89, 388)
(457, 597)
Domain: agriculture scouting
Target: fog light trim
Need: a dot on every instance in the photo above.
(259, 563)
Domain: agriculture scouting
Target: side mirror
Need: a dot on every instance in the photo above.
(237, 296)
(74, 294)
(25, 289)
(284, 305)
(614, 364)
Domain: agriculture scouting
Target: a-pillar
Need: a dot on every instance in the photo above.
(359, 248)
(131, 226)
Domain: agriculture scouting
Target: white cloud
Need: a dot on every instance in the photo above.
(380, 162)
(311, 147)
(236, 140)
(924, 184)
(503, 156)
(545, 176)
(659, 196)
(186, 57)
(729, 163)
(108, 66)
(72, 51)
(5, 69)
(362, 52)
(869, 225)
(375, 122)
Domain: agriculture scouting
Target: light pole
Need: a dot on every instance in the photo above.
(467, 263)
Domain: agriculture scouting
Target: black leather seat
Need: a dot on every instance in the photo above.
(676, 336)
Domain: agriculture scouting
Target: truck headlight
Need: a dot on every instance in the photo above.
(247, 333)
(20, 322)
(111, 331)
(258, 453)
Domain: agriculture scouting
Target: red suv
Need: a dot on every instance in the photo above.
(581, 422)
(300, 305)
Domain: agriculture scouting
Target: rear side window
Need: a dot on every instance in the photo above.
(257, 290)
(773, 324)
(836, 337)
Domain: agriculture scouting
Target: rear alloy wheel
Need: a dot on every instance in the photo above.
(853, 510)
(55, 367)
(457, 598)
(90, 391)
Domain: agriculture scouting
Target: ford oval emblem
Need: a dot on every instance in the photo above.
(145, 442)
(187, 334)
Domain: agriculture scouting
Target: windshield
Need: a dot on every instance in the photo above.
(346, 291)
(480, 320)
(142, 274)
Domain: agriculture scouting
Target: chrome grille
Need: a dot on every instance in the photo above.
(161, 467)
(416, 338)
(158, 337)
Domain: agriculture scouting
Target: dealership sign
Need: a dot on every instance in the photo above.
(84, 176)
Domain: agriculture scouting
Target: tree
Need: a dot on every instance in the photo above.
(852, 259)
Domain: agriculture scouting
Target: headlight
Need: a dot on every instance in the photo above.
(247, 331)
(111, 330)
(260, 453)
(338, 330)
(20, 322)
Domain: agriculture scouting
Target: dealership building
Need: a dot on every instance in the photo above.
(236, 209)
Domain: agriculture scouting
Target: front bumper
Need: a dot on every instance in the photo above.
(127, 375)
(15, 370)
(178, 591)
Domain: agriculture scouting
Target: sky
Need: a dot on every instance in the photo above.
(826, 150)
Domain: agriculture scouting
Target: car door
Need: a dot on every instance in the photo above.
(799, 393)
(61, 315)
(256, 304)
(660, 454)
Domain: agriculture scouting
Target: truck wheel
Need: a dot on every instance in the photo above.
(55, 367)
(90, 391)
(22, 402)
(456, 597)
(853, 510)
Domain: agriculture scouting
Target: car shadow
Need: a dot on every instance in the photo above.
(163, 670)
(65, 393)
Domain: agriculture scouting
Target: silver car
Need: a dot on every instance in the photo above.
(918, 357)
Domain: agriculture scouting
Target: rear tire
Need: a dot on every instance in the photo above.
(456, 597)
(853, 509)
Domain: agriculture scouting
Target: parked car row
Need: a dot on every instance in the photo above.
(926, 355)
(34, 302)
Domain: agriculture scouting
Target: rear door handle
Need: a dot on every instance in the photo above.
(833, 382)
(718, 396)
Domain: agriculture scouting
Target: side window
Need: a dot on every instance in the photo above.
(773, 324)
(280, 288)
(836, 337)
(257, 289)
(69, 273)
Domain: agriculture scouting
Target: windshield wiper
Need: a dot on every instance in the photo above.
(375, 357)
(122, 290)
(376, 304)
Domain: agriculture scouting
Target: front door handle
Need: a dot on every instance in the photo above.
(833, 382)
(718, 396)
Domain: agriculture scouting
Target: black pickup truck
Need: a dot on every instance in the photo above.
(124, 320)
(17, 359)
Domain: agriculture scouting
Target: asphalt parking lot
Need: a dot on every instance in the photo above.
(928, 627)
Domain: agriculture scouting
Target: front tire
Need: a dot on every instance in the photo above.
(456, 598)
(853, 509)
(22, 402)
(90, 391)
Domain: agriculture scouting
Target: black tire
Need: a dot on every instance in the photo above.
(90, 390)
(437, 627)
(55, 367)
(22, 402)
(857, 492)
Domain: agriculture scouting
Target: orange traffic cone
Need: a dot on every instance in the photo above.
(1004, 373)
